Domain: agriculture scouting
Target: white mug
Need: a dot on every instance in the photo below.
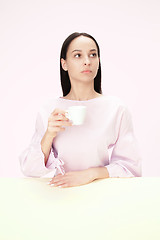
(76, 114)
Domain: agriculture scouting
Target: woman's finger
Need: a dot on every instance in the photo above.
(60, 118)
(57, 118)
(58, 111)
(65, 185)
(59, 124)
(57, 182)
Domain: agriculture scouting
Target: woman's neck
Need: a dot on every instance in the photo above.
(83, 96)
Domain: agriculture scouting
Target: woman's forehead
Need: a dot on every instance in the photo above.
(82, 43)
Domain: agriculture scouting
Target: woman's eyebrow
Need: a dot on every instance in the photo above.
(93, 50)
(77, 50)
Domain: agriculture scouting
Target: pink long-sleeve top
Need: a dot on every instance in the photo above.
(107, 125)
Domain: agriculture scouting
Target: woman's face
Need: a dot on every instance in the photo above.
(82, 61)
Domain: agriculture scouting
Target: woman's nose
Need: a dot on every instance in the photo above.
(86, 61)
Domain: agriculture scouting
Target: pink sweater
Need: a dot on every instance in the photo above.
(107, 125)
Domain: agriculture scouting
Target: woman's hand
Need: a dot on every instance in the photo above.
(57, 122)
(72, 179)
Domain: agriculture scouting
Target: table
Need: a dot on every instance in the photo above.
(113, 209)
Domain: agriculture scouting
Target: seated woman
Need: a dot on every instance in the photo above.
(78, 155)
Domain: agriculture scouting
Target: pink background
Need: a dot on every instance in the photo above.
(32, 33)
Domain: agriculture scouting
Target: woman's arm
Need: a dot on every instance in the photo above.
(38, 159)
(125, 159)
(99, 172)
(32, 158)
(56, 123)
(46, 145)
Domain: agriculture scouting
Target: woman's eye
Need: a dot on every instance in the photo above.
(77, 55)
(93, 55)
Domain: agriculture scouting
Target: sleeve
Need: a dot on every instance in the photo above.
(32, 159)
(125, 159)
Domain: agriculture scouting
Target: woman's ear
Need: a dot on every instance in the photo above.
(64, 64)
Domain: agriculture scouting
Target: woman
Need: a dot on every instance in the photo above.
(78, 155)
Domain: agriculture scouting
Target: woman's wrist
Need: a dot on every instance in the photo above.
(99, 173)
(47, 139)
(49, 135)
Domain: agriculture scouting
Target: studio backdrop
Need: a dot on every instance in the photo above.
(31, 36)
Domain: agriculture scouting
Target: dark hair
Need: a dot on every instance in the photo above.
(65, 81)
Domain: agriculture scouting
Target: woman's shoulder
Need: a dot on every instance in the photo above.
(114, 101)
(116, 105)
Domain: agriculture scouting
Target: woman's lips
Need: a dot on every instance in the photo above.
(86, 71)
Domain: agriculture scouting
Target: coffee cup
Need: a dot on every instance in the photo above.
(76, 114)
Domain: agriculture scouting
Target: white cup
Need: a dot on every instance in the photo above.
(76, 114)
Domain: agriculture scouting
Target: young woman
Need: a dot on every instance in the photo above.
(78, 155)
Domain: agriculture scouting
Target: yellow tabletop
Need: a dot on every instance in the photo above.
(109, 209)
